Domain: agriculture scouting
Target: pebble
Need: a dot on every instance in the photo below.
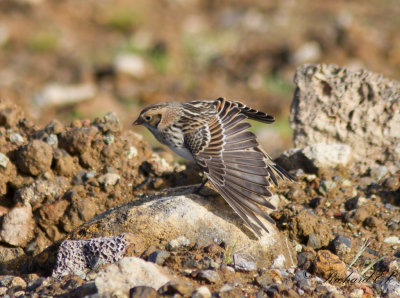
(390, 183)
(108, 138)
(3, 160)
(278, 263)
(354, 202)
(313, 241)
(177, 243)
(142, 291)
(327, 264)
(315, 202)
(90, 174)
(158, 257)
(390, 207)
(311, 177)
(210, 276)
(52, 140)
(341, 245)
(325, 186)
(202, 292)
(392, 240)
(377, 173)
(243, 264)
(388, 286)
(305, 260)
(16, 138)
(109, 179)
(131, 152)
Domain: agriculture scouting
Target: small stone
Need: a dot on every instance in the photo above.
(174, 287)
(315, 202)
(242, 263)
(327, 264)
(305, 260)
(278, 263)
(392, 240)
(378, 172)
(390, 183)
(52, 140)
(213, 249)
(131, 152)
(158, 257)
(389, 286)
(354, 203)
(341, 245)
(177, 243)
(326, 186)
(371, 222)
(389, 206)
(34, 158)
(90, 174)
(109, 179)
(142, 292)
(313, 241)
(131, 64)
(57, 94)
(54, 127)
(17, 228)
(108, 139)
(210, 276)
(16, 138)
(202, 292)
(3, 160)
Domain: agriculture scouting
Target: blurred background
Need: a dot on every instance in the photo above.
(82, 58)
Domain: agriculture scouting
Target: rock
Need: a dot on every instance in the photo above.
(177, 243)
(242, 263)
(40, 190)
(341, 245)
(57, 94)
(142, 292)
(17, 228)
(354, 202)
(389, 286)
(65, 164)
(108, 139)
(10, 253)
(315, 202)
(78, 140)
(308, 52)
(378, 172)
(313, 241)
(3, 160)
(78, 255)
(109, 123)
(392, 240)
(158, 257)
(34, 158)
(326, 186)
(168, 217)
(131, 152)
(16, 139)
(357, 108)
(328, 265)
(202, 292)
(109, 179)
(210, 276)
(129, 273)
(390, 183)
(315, 157)
(278, 263)
(174, 287)
(10, 281)
(131, 64)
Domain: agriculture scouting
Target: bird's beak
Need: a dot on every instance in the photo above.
(138, 121)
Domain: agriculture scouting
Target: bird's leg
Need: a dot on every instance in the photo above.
(197, 190)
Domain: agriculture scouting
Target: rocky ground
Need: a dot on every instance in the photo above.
(89, 209)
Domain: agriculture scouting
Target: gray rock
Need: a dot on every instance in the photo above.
(378, 172)
(177, 243)
(108, 138)
(38, 191)
(316, 156)
(202, 292)
(392, 240)
(389, 286)
(200, 220)
(158, 257)
(109, 179)
(354, 202)
(142, 291)
(357, 108)
(326, 186)
(131, 64)
(57, 94)
(210, 276)
(279, 262)
(79, 255)
(129, 273)
(313, 241)
(16, 138)
(243, 263)
(3, 160)
(17, 228)
(341, 245)
(52, 140)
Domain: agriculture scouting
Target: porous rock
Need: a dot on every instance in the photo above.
(200, 220)
(129, 273)
(78, 255)
(354, 107)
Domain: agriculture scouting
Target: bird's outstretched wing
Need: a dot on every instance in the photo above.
(233, 161)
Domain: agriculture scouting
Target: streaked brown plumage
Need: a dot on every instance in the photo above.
(211, 133)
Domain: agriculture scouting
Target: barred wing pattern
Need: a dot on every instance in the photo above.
(233, 161)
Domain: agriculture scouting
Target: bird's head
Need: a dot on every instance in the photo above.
(149, 117)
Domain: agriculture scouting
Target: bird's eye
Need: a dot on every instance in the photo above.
(147, 118)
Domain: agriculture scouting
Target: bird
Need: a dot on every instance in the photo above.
(214, 135)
